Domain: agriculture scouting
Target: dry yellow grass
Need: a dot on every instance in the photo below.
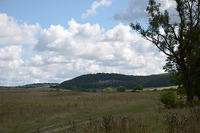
(45, 110)
(162, 88)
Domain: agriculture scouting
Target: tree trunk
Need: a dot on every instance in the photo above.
(189, 88)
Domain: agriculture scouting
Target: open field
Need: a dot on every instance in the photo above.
(48, 111)
(161, 88)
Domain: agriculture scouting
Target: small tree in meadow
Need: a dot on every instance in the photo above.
(109, 89)
(168, 99)
(138, 88)
(121, 89)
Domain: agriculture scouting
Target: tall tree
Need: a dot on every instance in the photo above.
(180, 41)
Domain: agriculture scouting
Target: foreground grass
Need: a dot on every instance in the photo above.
(31, 111)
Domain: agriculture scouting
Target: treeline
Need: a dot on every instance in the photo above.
(96, 82)
(39, 85)
(35, 85)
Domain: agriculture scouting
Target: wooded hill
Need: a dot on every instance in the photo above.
(96, 82)
(35, 85)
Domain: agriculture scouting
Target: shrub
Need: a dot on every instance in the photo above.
(121, 89)
(181, 91)
(138, 87)
(109, 89)
(168, 99)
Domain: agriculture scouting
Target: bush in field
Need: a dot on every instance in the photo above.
(138, 87)
(121, 89)
(181, 91)
(168, 99)
(109, 89)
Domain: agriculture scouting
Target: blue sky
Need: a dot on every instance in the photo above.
(56, 40)
(55, 12)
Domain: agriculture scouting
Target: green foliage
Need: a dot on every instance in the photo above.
(168, 99)
(181, 91)
(121, 89)
(181, 46)
(100, 81)
(138, 88)
(155, 89)
(35, 85)
(109, 89)
(171, 101)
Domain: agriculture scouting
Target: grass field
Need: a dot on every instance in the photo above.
(67, 111)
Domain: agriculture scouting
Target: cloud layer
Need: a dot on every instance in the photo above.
(13, 32)
(60, 53)
(136, 10)
(117, 47)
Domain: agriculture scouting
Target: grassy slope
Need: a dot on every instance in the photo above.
(23, 111)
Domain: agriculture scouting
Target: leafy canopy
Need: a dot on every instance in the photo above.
(121, 89)
(179, 40)
(138, 87)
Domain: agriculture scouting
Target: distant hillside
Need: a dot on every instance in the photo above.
(39, 85)
(36, 85)
(95, 82)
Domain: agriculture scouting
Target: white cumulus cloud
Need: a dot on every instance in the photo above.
(10, 57)
(62, 53)
(90, 48)
(10, 63)
(94, 7)
(13, 32)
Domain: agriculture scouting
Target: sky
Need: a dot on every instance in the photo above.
(52, 41)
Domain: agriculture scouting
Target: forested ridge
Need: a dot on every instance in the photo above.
(35, 85)
(95, 82)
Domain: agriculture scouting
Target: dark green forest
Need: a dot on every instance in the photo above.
(96, 82)
(35, 85)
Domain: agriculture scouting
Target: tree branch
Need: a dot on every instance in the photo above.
(156, 42)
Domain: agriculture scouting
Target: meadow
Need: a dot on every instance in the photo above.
(46, 111)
